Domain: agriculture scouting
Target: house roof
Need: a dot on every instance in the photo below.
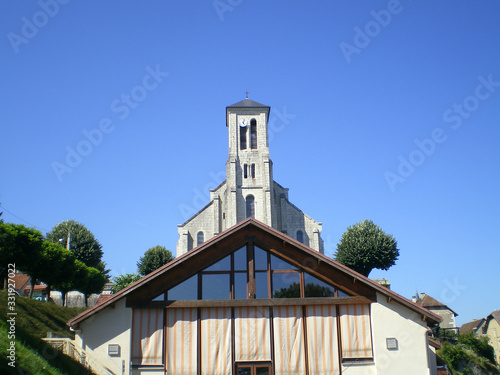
(471, 326)
(21, 280)
(428, 302)
(188, 264)
(247, 103)
(494, 315)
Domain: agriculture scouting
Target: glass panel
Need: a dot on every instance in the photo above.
(262, 371)
(286, 285)
(244, 370)
(317, 288)
(240, 285)
(159, 297)
(240, 259)
(215, 286)
(187, 290)
(278, 264)
(261, 288)
(222, 265)
(260, 259)
(342, 294)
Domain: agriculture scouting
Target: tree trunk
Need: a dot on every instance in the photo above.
(32, 286)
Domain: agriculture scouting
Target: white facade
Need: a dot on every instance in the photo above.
(249, 176)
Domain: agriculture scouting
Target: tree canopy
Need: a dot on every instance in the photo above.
(122, 281)
(365, 246)
(153, 258)
(77, 238)
(471, 355)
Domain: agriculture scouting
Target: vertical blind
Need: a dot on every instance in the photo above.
(252, 334)
(147, 336)
(322, 345)
(355, 331)
(182, 341)
(288, 340)
(216, 341)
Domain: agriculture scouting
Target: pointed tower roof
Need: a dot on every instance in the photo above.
(248, 103)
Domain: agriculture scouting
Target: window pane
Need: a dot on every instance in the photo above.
(278, 264)
(300, 236)
(250, 206)
(261, 288)
(215, 286)
(244, 370)
(187, 290)
(262, 371)
(260, 259)
(342, 294)
(240, 259)
(317, 288)
(286, 285)
(200, 238)
(240, 285)
(222, 265)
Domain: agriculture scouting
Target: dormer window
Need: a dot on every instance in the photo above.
(253, 134)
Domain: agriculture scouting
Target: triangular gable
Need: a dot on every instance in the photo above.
(251, 232)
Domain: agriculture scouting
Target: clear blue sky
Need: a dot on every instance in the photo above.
(380, 110)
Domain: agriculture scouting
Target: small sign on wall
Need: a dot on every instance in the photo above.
(392, 343)
(114, 350)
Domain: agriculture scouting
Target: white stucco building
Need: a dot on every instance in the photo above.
(249, 189)
(253, 300)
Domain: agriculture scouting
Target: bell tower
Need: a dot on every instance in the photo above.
(249, 174)
(249, 189)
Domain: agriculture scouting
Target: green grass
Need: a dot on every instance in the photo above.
(33, 320)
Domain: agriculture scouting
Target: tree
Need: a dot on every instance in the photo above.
(21, 246)
(77, 238)
(471, 355)
(153, 259)
(365, 246)
(55, 265)
(125, 280)
(89, 280)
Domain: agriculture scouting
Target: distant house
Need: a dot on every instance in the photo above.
(439, 308)
(486, 327)
(22, 281)
(253, 300)
(40, 292)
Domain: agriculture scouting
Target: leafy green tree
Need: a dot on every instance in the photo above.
(21, 246)
(153, 259)
(89, 280)
(365, 246)
(125, 280)
(471, 355)
(55, 264)
(77, 238)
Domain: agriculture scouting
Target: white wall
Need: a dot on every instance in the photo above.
(109, 326)
(392, 320)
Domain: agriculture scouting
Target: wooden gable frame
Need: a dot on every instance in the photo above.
(250, 233)
(254, 233)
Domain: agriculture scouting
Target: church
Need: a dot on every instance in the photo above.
(249, 189)
(250, 292)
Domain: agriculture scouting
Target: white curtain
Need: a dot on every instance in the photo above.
(322, 344)
(182, 341)
(147, 336)
(289, 347)
(356, 331)
(252, 334)
(216, 341)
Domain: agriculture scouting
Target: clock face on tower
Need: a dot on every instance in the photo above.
(243, 122)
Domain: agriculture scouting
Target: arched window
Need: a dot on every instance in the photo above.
(300, 236)
(253, 134)
(243, 137)
(250, 206)
(200, 238)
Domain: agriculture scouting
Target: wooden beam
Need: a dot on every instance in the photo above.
(257, 302)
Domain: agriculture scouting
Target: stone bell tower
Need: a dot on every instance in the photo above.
(249, 189)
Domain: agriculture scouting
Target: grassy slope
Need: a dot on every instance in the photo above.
(33, 320)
